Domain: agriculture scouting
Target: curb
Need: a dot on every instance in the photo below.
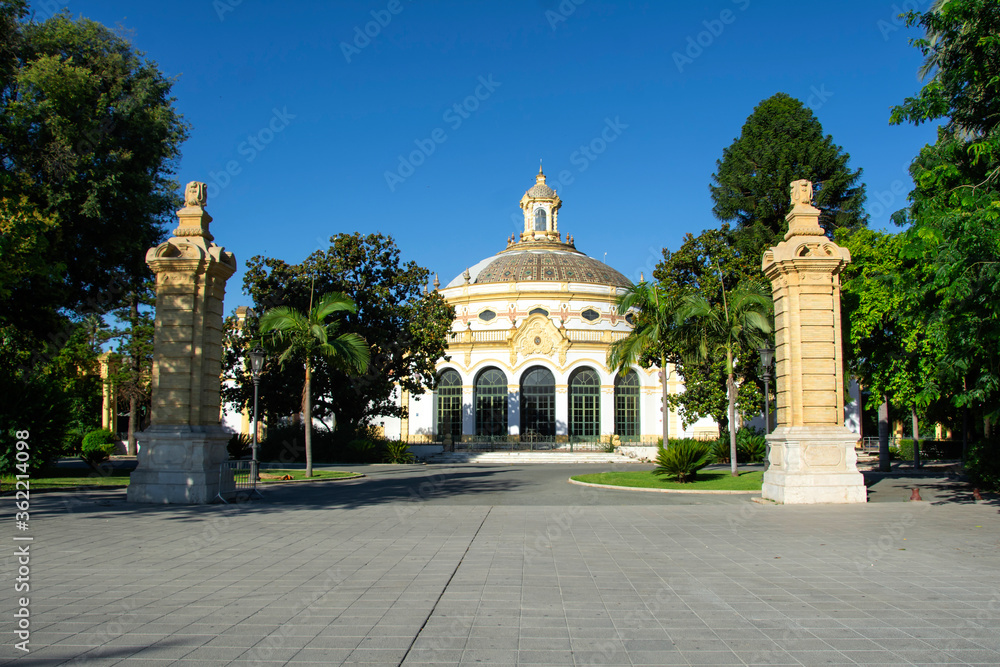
(639, 488)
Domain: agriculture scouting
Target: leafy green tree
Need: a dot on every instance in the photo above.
(136, 320)
(735, 327)
(885, 343)
(653, 320)
(954, 216)
(89, 140)
(961, 49)
(704, 264)
(309, 337)
(405, 328)
(782, 141)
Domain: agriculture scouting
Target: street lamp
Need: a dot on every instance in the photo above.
(664, 376)
(766, 359)
(256, 365)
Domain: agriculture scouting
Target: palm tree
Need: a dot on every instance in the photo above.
(740, 323)
(655, 317)
(309, 337)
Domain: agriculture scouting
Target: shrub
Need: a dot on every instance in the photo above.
(983, 465)
(50, 420)
(72, 440)
(98, 445)
(240, 445)
(931, 450)
(285, 444)
(363, 450)
(751, 445)
(720, 449)
(683, 460)
(893, 453)
(397, 451)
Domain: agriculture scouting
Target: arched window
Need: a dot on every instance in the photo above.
(491, 402)
(538, 403)
(584, 403)
(449, 395)
(627, 404)
(540, 218)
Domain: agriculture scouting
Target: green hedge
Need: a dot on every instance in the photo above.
(286, 444)
(931, 450)
(983, 465)
(98, 445)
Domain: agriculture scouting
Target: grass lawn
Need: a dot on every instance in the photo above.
(64, 478)
(713, 480)
(301, 474)
(57, 478)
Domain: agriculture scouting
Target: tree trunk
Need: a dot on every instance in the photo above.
(987, 429)
(965, 434)
(666, 408)
(133, 402)
(884, 464)
(307, 417)
(133, 416)
(731, 390)
(916, 437)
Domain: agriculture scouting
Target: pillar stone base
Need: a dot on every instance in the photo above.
(179, 464)
(807, 465)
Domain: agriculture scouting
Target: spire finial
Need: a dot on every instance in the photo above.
(539, 165)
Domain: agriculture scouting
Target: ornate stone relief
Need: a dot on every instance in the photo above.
(815, 250)
(537, 335)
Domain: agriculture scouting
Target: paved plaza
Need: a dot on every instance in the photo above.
(477, 564)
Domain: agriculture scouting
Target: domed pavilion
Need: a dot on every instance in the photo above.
(527, 353)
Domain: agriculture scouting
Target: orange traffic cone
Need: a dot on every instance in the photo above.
(976, 495)
(916, 494)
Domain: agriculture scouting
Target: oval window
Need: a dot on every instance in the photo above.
(630, 318)
(487, 315)
(539, 311)
(591, 315)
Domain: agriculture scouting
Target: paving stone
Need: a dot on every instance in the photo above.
(359, 574)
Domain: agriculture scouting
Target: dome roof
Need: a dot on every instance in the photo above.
(541, 191)
(543, 265)
(539, 253)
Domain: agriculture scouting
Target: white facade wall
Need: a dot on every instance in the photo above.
(480, 344)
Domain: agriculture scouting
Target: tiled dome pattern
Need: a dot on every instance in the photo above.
(539, 266)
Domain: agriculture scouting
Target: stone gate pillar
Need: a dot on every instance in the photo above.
(181, 450)
(811, 456)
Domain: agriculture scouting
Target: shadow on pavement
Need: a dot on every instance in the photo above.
(396, 484)
(936, 486)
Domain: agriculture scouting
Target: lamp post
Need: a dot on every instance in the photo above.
(664, 375)
(256, 365)
(766, 359)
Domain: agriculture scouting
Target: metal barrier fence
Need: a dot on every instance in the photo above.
(870, 445)
(238, 478)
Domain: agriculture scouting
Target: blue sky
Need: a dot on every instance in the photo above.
(298, 116)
